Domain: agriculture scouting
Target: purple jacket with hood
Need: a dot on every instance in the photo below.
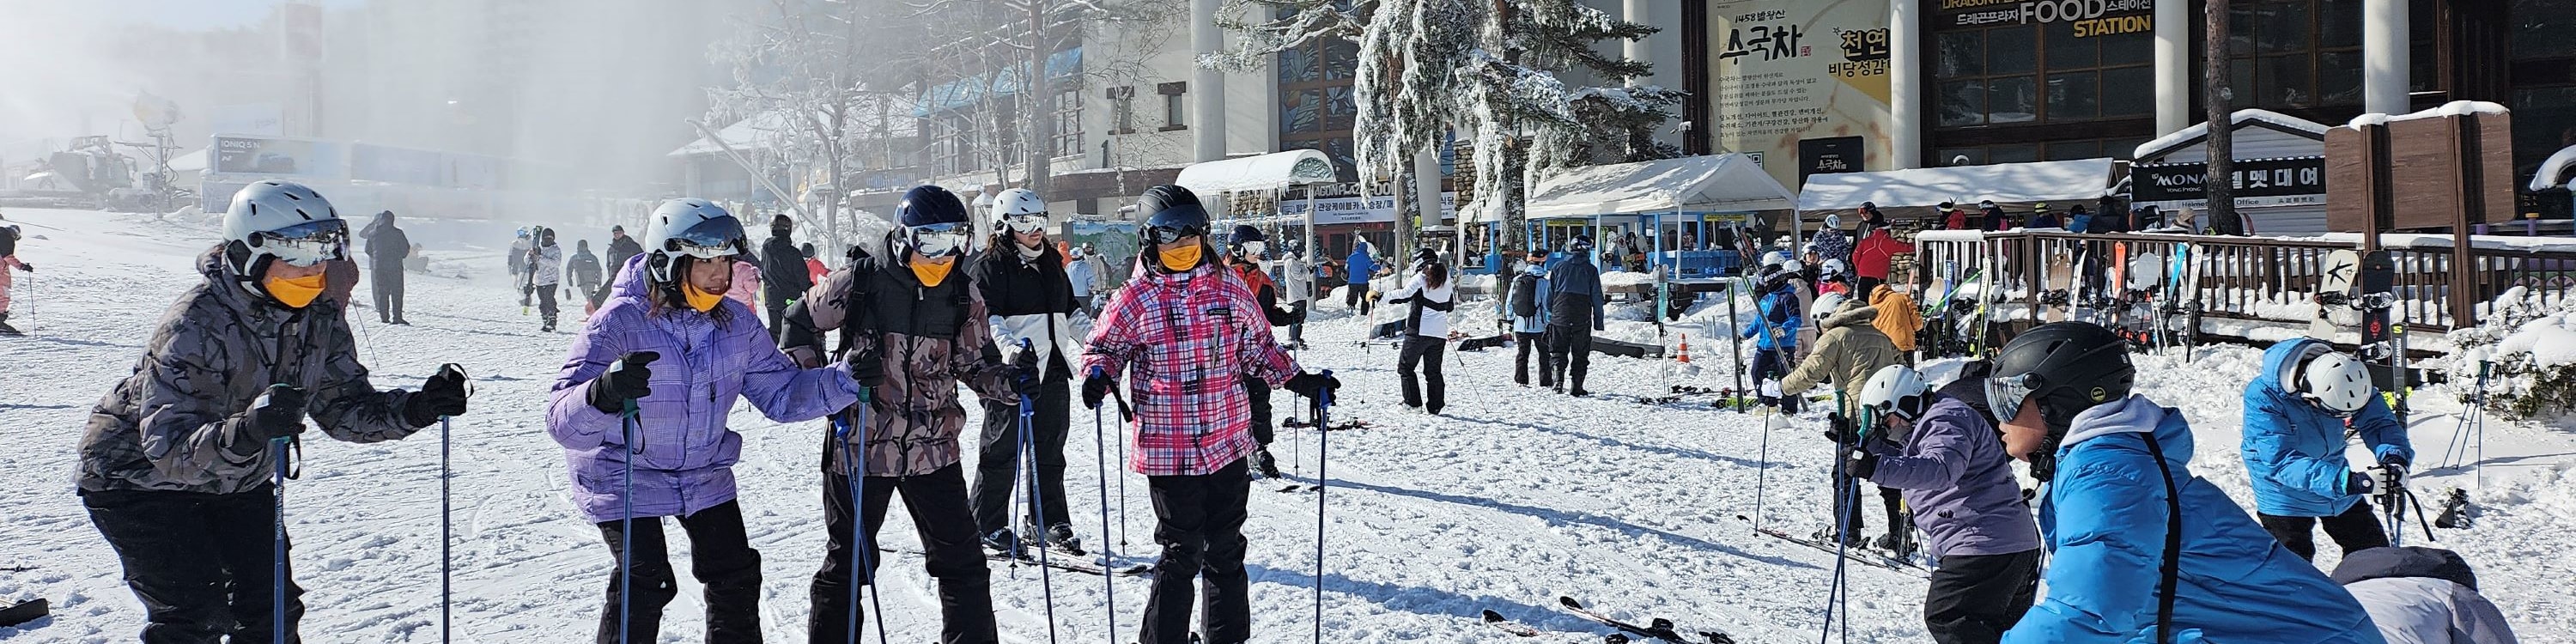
(1959, 483)
(686, 457)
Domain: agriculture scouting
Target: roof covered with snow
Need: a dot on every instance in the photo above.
(2074, 180)
(763, 130)
(2242, 119)
(2559, 171)
(1260, 172)
(1721, 182)
(2453, 108)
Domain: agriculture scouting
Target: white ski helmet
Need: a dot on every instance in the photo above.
(1020, 210)
(285, 220)
(689, 228)
(1827, 304)
(1897, 390)
(1774, 258)
(1833, 267)
(2336, 382)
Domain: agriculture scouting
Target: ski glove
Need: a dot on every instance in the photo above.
(1861, 463)
(277, 413)
(1024, 372)
(1096, 388)
(26, 267)
(1313, 385)
(627, 379)
(1840, 429)
(442, 395)
(866, 368)
(2358, 483)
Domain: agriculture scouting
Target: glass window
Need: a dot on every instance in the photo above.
(2284, 27)
(2073, 96)
(2240, 84)
(2010, 50)
(2540, 28)
(2068, 150)
(2122, 148)
(1961, 53)
(1961, 156)
(1962, 103)
(2339, 78)
(2303, 54)
(2132, 91)
(2012, 100)
(1172, 110)
(2136, 48)
(2065, 51)
(2021, 153)
(2285, 81)
(2339, 23)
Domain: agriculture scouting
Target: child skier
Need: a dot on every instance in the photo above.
(1244, 260)
(176, 463)
(1847, 353)
(545, 274)
(1529, 322)
(642, 447)
(1021, 278)
(1834, 277)
(2296, 413)
(1774, 333)
(1175, 331)
(2140, 548)
(1431, 298)
(1960, 484)
(9, 237)
(913, 328)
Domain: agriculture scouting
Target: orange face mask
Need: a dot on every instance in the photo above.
(932, 271)
(297, 292)
(701, 300)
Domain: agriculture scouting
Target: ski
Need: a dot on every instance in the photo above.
(26, 611)
(1064, 563)
(1300, 423)
(2456, 513)
(1497, 620)
(1659, 628)
(1856, 554)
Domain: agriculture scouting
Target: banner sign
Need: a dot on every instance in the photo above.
(2266, 180)
(1353, 210)
(1785, 72)
(253, 155)
(2091, 17)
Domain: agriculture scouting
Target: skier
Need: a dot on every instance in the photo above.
(1871, 259)
(176, 463)
(1026, 297)
(584, 268)
(1848, 352)
(1960, 485)
(1529, 299)
(2296, 414)
(519, 269)
(1775, 334)
(1300, 287)
(1077, 272)
(1898, 318)
(1431, 297)
(1103, 282)
(1244, 260)
(782, 267)
(9, 236)
(914, 328)
(1830, 242)
(1954, 217)
(1361, 266)
(2042, 217)
(2078, 220)
(1834, 277)
(1174, 333)
(1995, 219)
(2419, 595)
(621, 247)
(1574, 311)
(545, 275)
(387, 247)
(2140, 548)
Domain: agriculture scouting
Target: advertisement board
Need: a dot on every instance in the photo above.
(273, 156)
(394, 165)
(1360, 210)
(2258, 182)
(1787, 71)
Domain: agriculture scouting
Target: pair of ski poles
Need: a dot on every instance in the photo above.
(1028, 451)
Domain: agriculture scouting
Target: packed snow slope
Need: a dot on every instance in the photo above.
(1515, 497)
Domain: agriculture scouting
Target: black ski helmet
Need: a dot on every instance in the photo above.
(928, 206)
(2065, 367)
(1246, 233)
(1172, 207)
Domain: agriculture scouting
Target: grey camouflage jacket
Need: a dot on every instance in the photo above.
(177, 423)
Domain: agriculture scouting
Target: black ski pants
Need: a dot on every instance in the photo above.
(721, 558)
(1973, 599)
(1201, 530)
(1571, 353)
(778, 316)
(203, 565)
(1769, 364)
(2356, 529)
(1256, 392)
(1850, 506)
(997, 470)
(387, 285)
(1355, 296)
(937, 503)
(1431, 393)
(546, 303)
(1525, 343)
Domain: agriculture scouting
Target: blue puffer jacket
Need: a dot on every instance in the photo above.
(2294, 449)
(1958, 482)
(1776, 311)
(2104, 521)
(1361, 265)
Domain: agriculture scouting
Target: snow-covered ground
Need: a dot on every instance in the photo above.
(1513, 498)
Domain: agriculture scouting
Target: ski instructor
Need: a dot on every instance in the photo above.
(176, 463)
(1182, 331)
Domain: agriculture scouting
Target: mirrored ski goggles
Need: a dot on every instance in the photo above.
(1254, 248)
(709, 239)
(939, 240)
(1169, 234)
(2004, 394)
(1023, 224)
(305, 244)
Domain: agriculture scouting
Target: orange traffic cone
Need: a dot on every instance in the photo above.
(1685, 352)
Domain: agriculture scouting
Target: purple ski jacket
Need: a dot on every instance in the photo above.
(684, 454)
(1959, 483)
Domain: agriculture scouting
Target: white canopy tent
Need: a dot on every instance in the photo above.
(2076, 180)
(1722, 182)
(1273, 171)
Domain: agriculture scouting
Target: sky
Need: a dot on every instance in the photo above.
(198, 14)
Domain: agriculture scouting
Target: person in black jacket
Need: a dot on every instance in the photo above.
(584, 271)
(1574, 311)
(1243, 256)
(1028, 302)
(782, 270)
(620, 247)
(387, 247)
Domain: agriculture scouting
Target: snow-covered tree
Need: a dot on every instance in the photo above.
(820, 80)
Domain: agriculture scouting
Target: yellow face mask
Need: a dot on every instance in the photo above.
(701, 300)
(1180, 259)
(932, 271)
(294, 293)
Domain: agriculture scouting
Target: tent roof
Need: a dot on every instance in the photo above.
(190, 162)
(760, 131)
(2242, 119)
(1720, 182)
(1260, 172)
(2002, 182)
(2560, 167)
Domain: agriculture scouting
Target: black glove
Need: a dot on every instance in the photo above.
(2395, 460)
(627, 379)
(865, 368)
(1861, 463)
(26, 267)
(1841, 430)
(1024, 372)
(1096, 388)
(1313, 385)
(277, 413)
(2359, 483)
(443, 395)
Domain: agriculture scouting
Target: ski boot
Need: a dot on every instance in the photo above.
(1060, 539)
(1826, 536)
(1897, 544)
(1002, 541)
(5, 329)
(1266, 466)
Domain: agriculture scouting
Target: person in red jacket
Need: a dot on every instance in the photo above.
(1871, 257)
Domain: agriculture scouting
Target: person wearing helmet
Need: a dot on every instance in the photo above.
(814, 269)
(2140, 548)
(914, 329)
(1528, 308)
(1430, 298)
(642, 446)
(1778, 316)
(545, 275)
(1834, 277)
(1847, 353)
(2296, 414)
(519, 249)
(1830, 241)
(1182, 331)
(1027, 301)
(782, 270)
(1955, 476)
(1873, 256)
(2419, 595)
(176, 461)
(1574, 310)
(1243, 258)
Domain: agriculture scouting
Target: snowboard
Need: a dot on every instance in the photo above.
(2057, 277)
(2337, 278)
(2378, 277)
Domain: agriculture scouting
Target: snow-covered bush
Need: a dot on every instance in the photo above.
(2530, 343)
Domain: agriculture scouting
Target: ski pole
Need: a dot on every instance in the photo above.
(1037, 502)
(1100, 451)
(864, 562)
(277, 571)
(1126, 415)
(627, 419)
(1762, 471)
(446, 515)
(1323, 455)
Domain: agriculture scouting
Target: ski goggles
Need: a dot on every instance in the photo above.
(1023, 224)
(709, 239)
(2005, 394)
(939, 240)
(1254, 248)
(1170, 234)
(305, 244)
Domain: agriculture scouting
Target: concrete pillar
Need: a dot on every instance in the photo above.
(1641, 12)
(2384, 42)
(1207, 86)
(1426, 189)
(1905, 72)
(2173, 27)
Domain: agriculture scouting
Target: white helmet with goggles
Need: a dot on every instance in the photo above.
(283, 220)
(689, 228)
(1020, 211)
